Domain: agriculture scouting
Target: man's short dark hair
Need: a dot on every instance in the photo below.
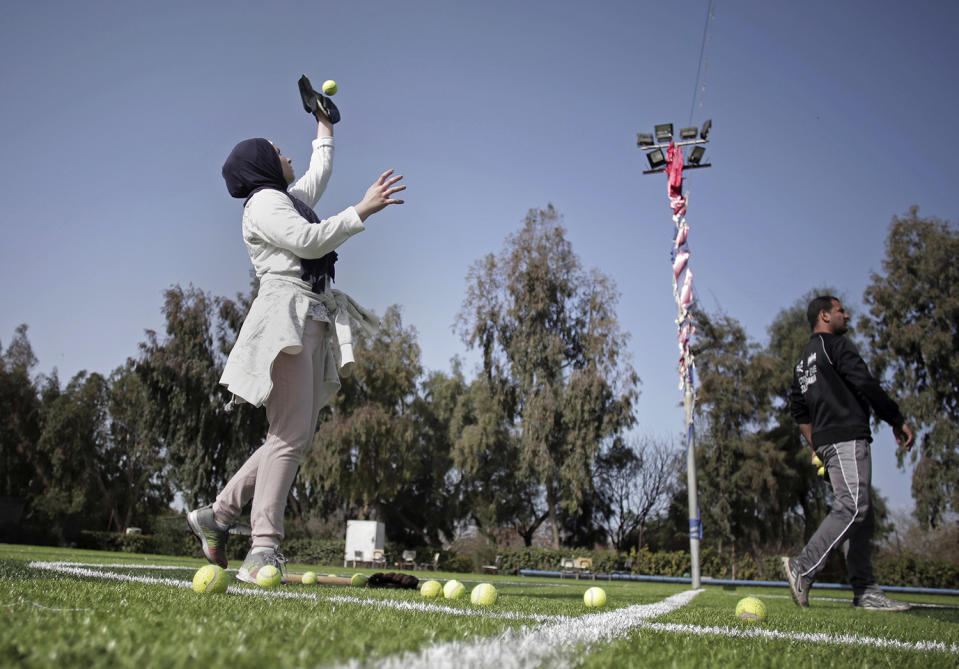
(818, 304)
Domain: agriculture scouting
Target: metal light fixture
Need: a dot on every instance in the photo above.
(706, 128)
(688, 133)
(696, 155)
(644, 139)
(664, 132)
(656, 159)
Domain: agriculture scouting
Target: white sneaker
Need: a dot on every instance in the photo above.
(877, 601)
(255, 561)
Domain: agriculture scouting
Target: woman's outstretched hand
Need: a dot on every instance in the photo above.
(379, 195)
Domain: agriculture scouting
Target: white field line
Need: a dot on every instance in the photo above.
(548, 645)
(95, 571)
(603, 626)
(819, 637)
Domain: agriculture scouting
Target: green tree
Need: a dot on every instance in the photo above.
(737, 465)
(138, 487)
(636, 479)
(203, 442)
(69, 462)
(19, 418)
(553, 357)
(485, 451)
(913, 334)
(370, 449)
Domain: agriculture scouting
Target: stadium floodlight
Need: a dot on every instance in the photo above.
(688, 133)
(706, 128)
(664, 132)
(656, 159)
(696, 155)
(644, 139)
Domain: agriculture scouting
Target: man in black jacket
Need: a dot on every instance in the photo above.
(830, 399)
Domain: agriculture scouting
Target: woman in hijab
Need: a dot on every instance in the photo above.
(295, 336)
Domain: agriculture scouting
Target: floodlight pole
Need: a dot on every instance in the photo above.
(683, 321)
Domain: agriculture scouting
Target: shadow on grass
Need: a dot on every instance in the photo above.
(948, 614)
(17, 569)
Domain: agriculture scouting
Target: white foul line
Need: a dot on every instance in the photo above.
(564, 632)
(817, 637)
(95, 571)
(549, 645)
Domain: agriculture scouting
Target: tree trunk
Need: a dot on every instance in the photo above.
(551, 510)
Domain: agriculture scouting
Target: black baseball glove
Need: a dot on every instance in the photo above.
(313, 101)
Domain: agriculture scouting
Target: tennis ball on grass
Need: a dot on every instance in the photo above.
(595, 598)
(329, 87)
(358, 581)
(431, 589)
(268, 576)
(751, 609)
(483, 595)
(210, 579)
(308, 578)
(453, 589)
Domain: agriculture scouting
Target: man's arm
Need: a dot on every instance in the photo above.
(851, 367)
(854, 370)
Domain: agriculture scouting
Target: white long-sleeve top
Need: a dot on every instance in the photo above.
(275, 234)
(277, 238)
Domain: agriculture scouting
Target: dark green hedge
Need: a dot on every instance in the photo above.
(173, 539)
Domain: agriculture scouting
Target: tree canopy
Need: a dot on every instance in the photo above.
(554, 359)
(913, 333)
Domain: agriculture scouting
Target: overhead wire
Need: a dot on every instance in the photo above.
(700, 83)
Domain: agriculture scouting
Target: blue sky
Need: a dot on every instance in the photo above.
(829, 118)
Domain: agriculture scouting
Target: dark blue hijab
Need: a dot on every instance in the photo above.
(254, 165)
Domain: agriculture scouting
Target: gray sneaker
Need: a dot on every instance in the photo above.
(210, 533)
(255, 561)
(798, 586)
(877, 601)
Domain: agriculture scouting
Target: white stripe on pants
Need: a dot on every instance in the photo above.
(292, 411)
(851, 520)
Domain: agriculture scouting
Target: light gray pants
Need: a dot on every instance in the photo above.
(851, 521)
(292, 410)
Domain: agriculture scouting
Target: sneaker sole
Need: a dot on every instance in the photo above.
(897, 609)
(191, 520)
(792, 583)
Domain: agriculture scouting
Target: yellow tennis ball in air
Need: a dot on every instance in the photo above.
(483, 595)
(595, 598)
(329, 87)
(816, 462)
(751, 609)
(269, 576)
(431, 589)
(210, 579)
(308, 578)
(821, 471)
(453, 589)
(358, 581)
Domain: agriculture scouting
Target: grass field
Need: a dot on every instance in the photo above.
(70, 608)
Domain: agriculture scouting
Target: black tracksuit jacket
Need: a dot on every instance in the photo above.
(833, 390)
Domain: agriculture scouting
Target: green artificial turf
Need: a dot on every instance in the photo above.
(58, 619)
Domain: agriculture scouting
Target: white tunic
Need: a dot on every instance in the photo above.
(277, 238)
